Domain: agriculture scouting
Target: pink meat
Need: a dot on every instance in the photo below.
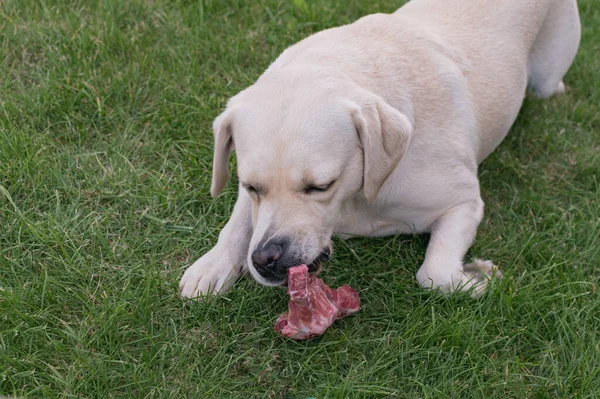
(313, 306)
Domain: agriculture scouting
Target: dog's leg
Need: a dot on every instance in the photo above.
(218, 269)
(554, 48)
(451, 236)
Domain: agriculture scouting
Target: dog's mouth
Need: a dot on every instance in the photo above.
(316, 266)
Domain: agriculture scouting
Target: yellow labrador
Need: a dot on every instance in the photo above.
(377, 128)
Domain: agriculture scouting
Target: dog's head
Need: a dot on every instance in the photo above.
(304, 148)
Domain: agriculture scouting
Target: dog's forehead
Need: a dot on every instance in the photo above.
(298, 156)
(317, 122)
(296, 159)
(297, 135)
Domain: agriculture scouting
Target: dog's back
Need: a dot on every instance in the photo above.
(517, 42)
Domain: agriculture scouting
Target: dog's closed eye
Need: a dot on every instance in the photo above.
(317, 188)
(254, 189)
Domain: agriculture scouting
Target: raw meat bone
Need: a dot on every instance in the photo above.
(313, 306)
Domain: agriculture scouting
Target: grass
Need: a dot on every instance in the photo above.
(105, 154)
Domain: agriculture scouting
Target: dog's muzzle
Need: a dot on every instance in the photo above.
(271, 263)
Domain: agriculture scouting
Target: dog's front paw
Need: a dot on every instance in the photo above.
(479, 272)
(472, 277)
(208, 276)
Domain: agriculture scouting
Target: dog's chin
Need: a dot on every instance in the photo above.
(272, 281)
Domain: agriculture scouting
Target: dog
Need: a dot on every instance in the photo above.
(377, 128)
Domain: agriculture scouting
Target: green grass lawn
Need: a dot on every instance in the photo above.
(105, 162)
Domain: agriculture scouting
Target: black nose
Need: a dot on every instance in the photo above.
(265, 256)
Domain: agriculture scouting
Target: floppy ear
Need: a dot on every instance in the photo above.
(383, 133)
(222, 128)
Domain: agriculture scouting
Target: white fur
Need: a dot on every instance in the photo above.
(399, 109)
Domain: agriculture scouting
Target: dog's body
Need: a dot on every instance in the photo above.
(377, 128)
